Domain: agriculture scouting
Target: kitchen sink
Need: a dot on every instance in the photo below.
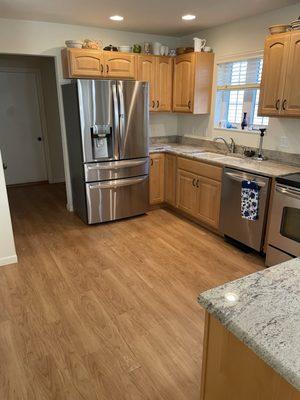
(212, 156)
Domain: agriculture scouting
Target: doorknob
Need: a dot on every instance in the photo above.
(39, 139)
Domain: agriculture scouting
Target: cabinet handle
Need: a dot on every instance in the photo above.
(189, 104)
(194, 182)
(151, 162)
(153, 104)
(157, 104)
(107, 68)
(102, 69)
(277, 104)
(197, 183)
(284, 104)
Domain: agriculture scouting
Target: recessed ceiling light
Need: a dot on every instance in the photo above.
(188, 17)
(117, 18)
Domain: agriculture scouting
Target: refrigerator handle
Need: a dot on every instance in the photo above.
(116, 122)
(122, 118)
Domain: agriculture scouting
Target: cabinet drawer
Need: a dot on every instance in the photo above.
(200, 168)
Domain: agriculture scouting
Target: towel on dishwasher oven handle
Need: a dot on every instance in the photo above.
(250, 200)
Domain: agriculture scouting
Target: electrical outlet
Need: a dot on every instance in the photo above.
(284, 142)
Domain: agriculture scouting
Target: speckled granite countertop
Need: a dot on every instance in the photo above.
(267, 168)
(263, 311)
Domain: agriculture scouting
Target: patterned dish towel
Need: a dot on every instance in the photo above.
(249, 200)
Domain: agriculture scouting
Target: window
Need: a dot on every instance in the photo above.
(238, 89)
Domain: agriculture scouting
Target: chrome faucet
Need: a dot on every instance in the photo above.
(230, 147)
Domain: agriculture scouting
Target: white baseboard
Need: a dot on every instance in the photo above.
(8, 260)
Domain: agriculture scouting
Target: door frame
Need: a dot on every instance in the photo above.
(43, 120)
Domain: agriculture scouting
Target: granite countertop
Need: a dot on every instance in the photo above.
(263, 311)
(267, 168)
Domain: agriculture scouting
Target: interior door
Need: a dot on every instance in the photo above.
(134, 119)
(21, 135)
(164, 66)
(274, 73)
(291, 98)
(183, 83)
(147, 72)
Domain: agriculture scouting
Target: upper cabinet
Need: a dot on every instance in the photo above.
(158, 72)
(179, 84)
(192, 83)
(280, 94)
(97, 64)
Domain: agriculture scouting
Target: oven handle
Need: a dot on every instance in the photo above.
(117, 183)
(289, 192)
(241, 178)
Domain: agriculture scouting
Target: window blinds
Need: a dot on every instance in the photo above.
(240, 75)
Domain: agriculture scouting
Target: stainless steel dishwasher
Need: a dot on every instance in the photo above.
(250, 233)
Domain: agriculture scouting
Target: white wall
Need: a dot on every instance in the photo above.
(246, 35)
(7, 245)
(42, 38)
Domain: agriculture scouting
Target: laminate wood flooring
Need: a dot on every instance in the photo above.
(109, 311)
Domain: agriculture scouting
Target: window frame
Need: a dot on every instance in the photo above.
(239, 57)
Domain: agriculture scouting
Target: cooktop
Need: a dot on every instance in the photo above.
(290, 180)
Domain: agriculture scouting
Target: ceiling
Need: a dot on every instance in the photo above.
(149, 16)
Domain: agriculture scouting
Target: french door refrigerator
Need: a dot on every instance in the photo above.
(107, 125)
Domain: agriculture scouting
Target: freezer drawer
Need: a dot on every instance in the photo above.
(115, 199)
(116, 169)
(250, 233)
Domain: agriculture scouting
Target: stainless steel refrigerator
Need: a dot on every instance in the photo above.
(107, 125)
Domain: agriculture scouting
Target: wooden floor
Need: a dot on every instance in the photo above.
(109, 311)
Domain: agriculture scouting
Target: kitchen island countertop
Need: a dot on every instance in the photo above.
(263, 311)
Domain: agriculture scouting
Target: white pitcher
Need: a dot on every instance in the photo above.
(199, 44)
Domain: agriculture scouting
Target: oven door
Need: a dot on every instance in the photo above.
(285, 220)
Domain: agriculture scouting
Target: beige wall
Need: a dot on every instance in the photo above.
(242, 36)
(41, 38)
(7, 245)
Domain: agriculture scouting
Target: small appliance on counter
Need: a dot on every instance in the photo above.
(107, 125)
(284, 231)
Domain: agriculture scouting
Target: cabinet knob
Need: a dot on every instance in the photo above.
(284, 104)
(107, 68)
(189, 104)
(277, 104)
(151, 162)
(153, 104)
(197, 183)
(102, 69)
(157, 104)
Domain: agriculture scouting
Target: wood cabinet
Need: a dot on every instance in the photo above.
(97, 64)
(199, 190)
(158, 72)
(157, 163)
(119, 65)
(192, 83)
(280, 95)
(170, 179)
(231, 370)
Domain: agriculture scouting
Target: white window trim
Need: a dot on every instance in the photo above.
(241, 56)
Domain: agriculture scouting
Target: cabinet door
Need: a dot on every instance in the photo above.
(119, 65)
(186, 191)
(208, 201)
(291, 99)
(164, 69)
(147, 72)
(85, 63)
(157, 178)
(183, 86)
(170, 179)
(274, 73)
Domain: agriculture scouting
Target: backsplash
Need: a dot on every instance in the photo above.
(279, 156)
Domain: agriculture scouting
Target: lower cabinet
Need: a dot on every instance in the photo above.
(157, 166)
(170, 179)
(191, 186)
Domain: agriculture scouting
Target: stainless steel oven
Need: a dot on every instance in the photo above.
(284, 233)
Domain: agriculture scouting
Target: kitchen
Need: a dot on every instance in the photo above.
(186, 176)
